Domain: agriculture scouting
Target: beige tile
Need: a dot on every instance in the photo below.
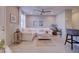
(55, 45)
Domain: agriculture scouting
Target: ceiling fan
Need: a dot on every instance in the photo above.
(42, 11)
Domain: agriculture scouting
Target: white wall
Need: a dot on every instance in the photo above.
(64, 21)
(68, 18)
(75, 20)
(60, 21)
(2, 23)
(48, 20)
(11, 27)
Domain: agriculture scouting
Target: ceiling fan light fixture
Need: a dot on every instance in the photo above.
(43, 11)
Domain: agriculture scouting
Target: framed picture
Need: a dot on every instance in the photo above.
(12, 18)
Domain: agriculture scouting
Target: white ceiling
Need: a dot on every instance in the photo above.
(31, 10)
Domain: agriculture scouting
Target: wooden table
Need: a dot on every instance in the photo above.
(72, 32)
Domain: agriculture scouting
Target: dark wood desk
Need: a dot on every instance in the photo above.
(71, 32)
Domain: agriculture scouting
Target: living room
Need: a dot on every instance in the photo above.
(41, 23)
(43, 28)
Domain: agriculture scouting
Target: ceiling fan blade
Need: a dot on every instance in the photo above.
(42, 11)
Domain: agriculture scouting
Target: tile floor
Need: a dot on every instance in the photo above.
(55, 45)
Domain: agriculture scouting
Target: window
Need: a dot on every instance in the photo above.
(37, 23)
(23, 21)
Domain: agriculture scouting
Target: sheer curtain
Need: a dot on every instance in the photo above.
(23, 21)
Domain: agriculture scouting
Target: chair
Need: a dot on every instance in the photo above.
(71, 32)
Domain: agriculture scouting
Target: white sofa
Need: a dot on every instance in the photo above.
(37, 30)
(44, 36)
(27, 36)
(29, 33)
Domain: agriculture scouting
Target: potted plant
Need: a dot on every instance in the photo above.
(54, 32)
(2, 43)
(54, 29)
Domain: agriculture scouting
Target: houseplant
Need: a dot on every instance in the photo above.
(2, 43)
(54, 29)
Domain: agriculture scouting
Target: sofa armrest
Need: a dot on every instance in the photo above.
(27, 36)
